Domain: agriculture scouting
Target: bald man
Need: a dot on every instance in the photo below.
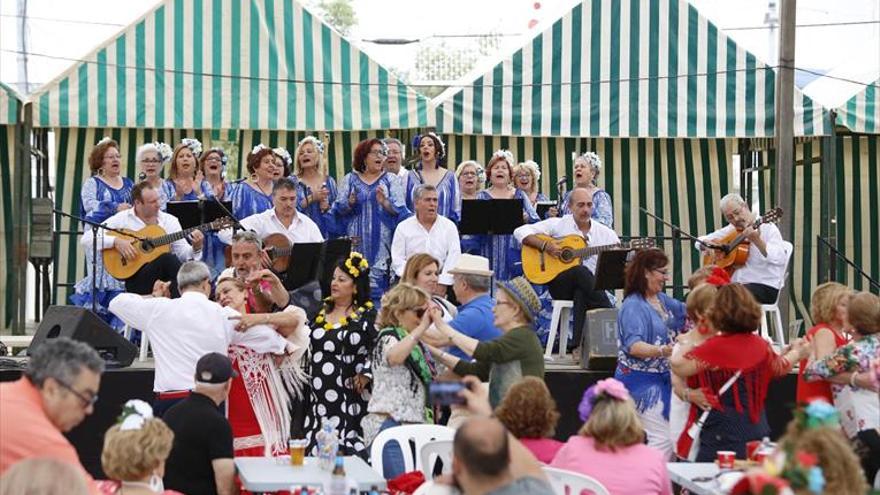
(577, 283)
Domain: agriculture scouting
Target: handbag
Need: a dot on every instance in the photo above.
(690, 442)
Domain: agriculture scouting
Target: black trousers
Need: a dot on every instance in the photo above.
(763, 293)
(163, 268)
(576, 284)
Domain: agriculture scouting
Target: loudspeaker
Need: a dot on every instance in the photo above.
(81, 324)
(599, 340)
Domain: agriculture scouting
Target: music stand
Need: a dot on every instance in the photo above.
(211, 210)
(333, 251)
(303, 266)
(490, 217)
(542, 207)
(610, 269)
(188, 213)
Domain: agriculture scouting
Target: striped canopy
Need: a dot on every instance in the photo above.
(625, 68)
(229, 64)
(861, 113)
(10, 102)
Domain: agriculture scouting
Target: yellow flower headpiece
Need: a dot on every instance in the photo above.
(355, 264)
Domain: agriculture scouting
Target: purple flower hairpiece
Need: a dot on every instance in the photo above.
(608, 387)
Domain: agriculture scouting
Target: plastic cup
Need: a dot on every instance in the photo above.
(297, 452)
(752, 448)
(726, 459)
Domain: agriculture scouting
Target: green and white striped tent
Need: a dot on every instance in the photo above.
(861, 113)
(625, 68)
(228, 72)
(10, 111)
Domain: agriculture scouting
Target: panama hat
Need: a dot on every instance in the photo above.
(521, 291)
(469, 264)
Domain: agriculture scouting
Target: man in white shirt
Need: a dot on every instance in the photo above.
(426, 232)
(184, 329)
(282, 219)
(577, 283)
(763, 273)
(145, 211)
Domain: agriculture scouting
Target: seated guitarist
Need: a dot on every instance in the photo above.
(281, 219)
(763, 273)
(146, 212)
(576, 283)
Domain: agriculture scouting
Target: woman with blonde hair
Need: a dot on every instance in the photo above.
(135, 450)
(529, 413)
(402, 370)
(828, 307)
(185, 178)
(471, 179)
(423, 270)
(612, 437)
(316, 190)
(525, 178)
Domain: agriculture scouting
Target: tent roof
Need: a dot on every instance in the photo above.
(646, 68)
(10, 101)
(861, 113)
(229, 64)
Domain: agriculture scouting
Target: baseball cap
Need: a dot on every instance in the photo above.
(214, 368)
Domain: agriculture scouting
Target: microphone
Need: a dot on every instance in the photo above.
(142, 176)
(562, 180)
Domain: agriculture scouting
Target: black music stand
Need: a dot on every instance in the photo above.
(543, 207)
(196, 212)
(490, 217)
(334, 250)
(303, 266)
(610, 269)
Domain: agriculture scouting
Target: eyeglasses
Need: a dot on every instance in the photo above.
(378, 153)
(86, 400)
(213, 159)
(151, 160)
(395, 153)
(468, 174)
(419, 311)
(663, 272)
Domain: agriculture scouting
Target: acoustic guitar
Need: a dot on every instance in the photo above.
(150, 242)
(541, 268)
(732, 251)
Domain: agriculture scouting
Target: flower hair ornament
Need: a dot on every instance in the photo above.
(607, 388)
(258, 148)
(284, 154)
(505, 155)
(103, 140)
(441, 153)
(315, 141)
(134, 414)
(355, 264)
(164, 150)
(593, 159)
(816, 414)
(193, 144)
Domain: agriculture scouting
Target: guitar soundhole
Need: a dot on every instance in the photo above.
(566, 256)
(146, 246)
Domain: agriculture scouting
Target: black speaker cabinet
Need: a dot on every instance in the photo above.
(81, 324)
(599, 345)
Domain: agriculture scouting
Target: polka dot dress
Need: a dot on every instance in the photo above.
(336, 357)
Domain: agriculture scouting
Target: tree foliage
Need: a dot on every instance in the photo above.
(338, 13)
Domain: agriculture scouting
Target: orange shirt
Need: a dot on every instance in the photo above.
(26, 432)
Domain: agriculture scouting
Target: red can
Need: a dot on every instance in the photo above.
(726, 459)
(752, 448)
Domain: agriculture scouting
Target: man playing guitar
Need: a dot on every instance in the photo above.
(576, 283)
(763, 273)
(145, 211)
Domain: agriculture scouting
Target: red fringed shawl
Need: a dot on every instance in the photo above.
(720, 357)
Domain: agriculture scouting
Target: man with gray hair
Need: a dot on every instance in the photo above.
(426, 232)
(184, 329)
(58, 390)
(763, 273)
(394, 161)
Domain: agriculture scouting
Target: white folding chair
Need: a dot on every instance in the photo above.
(771, 311)
(560, 321)
(407, 436)
(432, 452)
(145, 342)
(570, 483)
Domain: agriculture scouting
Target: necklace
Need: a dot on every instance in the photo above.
(256, 182)
(352, 317)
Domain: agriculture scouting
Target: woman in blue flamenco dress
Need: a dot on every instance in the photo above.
(369, 206)
(430, 170)
(185, 179)
(587, 168)
(212, 166)
(254, 194)
(317, 189)
(502, 250)
(103, 194)
(471, 179)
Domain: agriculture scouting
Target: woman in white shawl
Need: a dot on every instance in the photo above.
(268, 387)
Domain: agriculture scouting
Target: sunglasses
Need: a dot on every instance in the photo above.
(419, 311)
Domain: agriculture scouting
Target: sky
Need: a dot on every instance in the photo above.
(60, 31)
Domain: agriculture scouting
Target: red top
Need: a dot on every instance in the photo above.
(820, 388)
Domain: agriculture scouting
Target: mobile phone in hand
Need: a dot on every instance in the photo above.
(446, 393)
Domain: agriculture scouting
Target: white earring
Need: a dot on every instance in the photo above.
(156, 483)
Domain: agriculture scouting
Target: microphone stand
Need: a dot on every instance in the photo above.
(95, 226)
(236, 226)
(676, 228)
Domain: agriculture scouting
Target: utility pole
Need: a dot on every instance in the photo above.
(785, 136)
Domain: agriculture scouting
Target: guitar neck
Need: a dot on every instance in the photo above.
(174, 236)
(592, 250)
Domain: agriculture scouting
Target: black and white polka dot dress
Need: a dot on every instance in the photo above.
(337, 355)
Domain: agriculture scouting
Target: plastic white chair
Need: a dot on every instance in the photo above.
(559, 323)
(145, 342)
(432, 452)
(570, 483)
(406, 436)
(771, 311)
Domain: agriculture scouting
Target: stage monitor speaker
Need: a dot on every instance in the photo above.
(81, 324)
(599, 340)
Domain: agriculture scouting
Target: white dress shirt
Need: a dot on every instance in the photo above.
(183, 330)
(441, 242)
(758, 269)
(599, 235)
(126, 219)
(302, 229)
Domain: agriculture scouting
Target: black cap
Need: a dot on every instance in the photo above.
(214, 368)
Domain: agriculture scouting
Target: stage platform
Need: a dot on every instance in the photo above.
(565, 379)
